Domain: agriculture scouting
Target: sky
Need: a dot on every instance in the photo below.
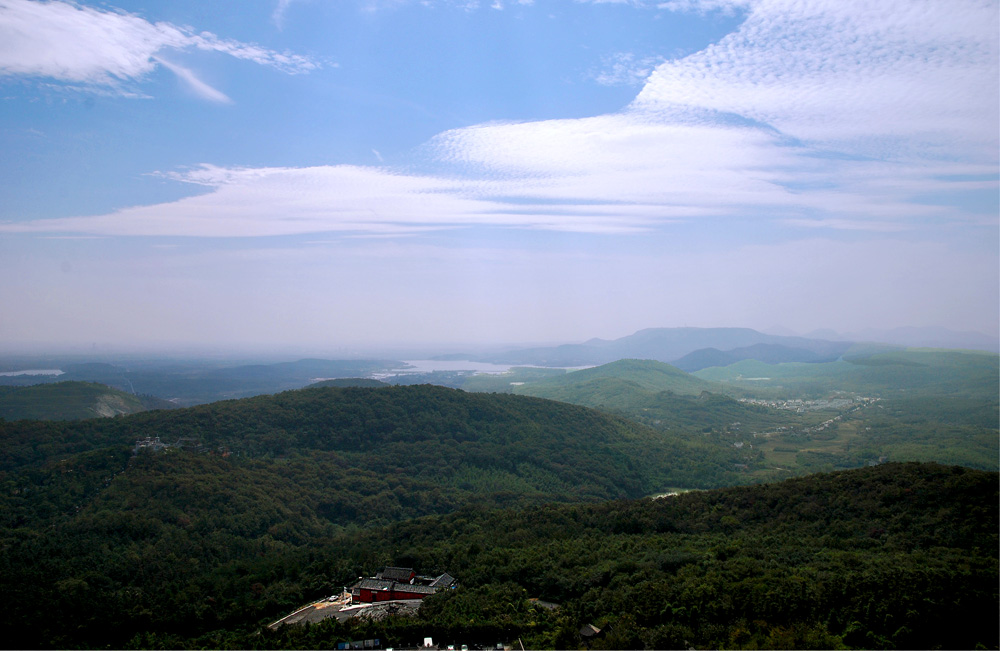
(339, 174)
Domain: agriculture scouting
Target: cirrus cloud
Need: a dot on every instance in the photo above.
(823, 114)
(77, 44)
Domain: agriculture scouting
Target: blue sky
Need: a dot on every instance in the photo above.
(339, 174)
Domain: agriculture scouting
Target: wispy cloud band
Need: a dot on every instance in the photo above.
(822, 114)
(78, 44)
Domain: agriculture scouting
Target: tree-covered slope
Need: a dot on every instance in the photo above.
(767, 353)
(70, 401)
(602, 385)
(895, 556)
(340, 457)
(917, 405)
(265, 475)
(930, 373)
(347, 382)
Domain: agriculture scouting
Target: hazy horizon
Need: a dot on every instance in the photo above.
(268, 352)
(323, 176)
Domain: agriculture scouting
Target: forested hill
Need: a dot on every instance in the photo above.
(360, 455)
(894, 556)
(602, 385)
(71, 400)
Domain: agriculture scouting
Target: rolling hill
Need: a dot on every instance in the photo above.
(767, 353)
(609, 383)
(71, 401)
(182, 553)
(379, 454)
(795, 418)
(938, 373)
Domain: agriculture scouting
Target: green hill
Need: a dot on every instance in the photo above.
(916, 405)
(70, 401)
(263, 504)
(382, 454)
(891, 374)
(348, 382)
(603, 385)
(895, 556)
(767, 353)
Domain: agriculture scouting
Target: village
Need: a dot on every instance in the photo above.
(799, 405)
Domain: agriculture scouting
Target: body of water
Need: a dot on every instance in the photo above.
(32, 371)
(423, 366)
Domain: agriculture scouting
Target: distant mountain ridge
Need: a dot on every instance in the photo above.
(670, 345)
(767, 353)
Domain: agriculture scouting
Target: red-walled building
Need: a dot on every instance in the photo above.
(398, 583)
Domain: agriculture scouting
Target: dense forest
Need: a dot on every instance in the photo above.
(251, 508)
(894, 556)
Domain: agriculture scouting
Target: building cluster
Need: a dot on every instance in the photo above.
(154, 444)
(394, 583)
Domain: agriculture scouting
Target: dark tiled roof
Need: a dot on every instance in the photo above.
(443, 581)
(397, 573)
(414, 589)
(378, 585)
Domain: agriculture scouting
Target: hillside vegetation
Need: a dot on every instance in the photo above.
(71, 401)
(260, 505)
(891, 374)
(417, 437)
(181, 551)
(796, 418)
(603, 385)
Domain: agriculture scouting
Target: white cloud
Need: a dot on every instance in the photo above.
(77, 44)
(907, 78)
(278, 16)
(823, 114)
(199, 87)
(624, 69)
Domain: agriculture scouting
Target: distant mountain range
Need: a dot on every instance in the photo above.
(693, 349)
(190, 382)
(701, 346)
